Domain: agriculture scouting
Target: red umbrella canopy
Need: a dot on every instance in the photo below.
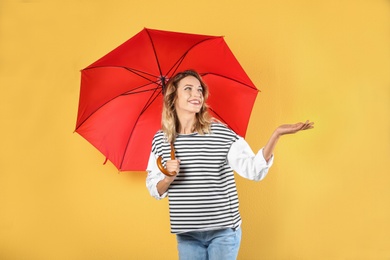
(121, 93)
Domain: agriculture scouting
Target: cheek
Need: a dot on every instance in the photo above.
(179, 102)
(176, 102)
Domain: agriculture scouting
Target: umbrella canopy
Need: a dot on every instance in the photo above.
(120, 101)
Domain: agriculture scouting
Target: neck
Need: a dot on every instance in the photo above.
(186, 123)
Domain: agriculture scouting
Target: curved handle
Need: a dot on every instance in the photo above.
(161, 167)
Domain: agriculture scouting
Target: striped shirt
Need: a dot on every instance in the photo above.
(203, 196)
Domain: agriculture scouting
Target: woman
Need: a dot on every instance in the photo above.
(203, 201)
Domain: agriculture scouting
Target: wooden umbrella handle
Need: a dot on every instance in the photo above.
(161, 167)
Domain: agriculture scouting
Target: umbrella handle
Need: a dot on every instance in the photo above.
(161, 167)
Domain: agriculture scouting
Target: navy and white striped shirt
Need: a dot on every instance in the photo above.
(203, 196)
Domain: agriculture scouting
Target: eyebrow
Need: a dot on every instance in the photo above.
(190, 85)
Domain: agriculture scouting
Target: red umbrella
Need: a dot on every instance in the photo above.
(121, 93)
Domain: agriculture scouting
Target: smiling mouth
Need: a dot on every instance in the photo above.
(195, 102)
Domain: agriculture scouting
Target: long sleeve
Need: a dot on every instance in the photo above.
(247, 164)
(153, 177)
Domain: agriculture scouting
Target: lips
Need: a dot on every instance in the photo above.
(195, 102)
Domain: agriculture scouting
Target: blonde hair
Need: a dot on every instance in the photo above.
(170, 121)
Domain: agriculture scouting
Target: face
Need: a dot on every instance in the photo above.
(189, 96)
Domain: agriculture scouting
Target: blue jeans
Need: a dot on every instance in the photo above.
(209, 245)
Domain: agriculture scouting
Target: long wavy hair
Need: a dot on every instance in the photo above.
(170, 121)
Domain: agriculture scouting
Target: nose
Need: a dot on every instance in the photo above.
(196, 93)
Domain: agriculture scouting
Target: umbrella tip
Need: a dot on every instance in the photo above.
(105, 161)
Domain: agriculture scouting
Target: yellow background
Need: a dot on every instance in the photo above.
(328, 193)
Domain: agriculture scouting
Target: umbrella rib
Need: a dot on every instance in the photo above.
(152, 98)
(135, 71)
(180, 60)
(138, 73)
(223, 120)
(137, 92)
(229, 78)
(155, 53)
(123, 94)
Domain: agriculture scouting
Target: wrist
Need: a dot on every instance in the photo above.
(167, 180)
(277, 133)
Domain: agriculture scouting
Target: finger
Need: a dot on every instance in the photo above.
(301, 126)
(309, 125)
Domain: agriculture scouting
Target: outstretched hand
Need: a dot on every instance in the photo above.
(283, 130)
(294, 128)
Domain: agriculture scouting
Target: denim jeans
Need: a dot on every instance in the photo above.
(220, 244)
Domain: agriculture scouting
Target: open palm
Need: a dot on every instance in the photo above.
(293, 128)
